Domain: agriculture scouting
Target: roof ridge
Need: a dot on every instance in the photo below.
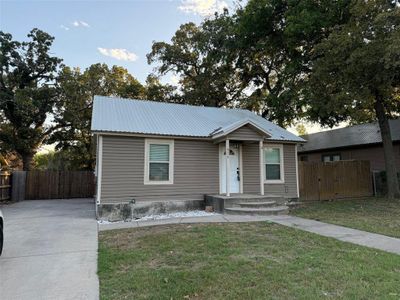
(171, 103)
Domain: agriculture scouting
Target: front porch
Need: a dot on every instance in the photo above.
(247, 204)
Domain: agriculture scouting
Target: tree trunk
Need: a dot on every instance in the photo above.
(390, 162)
(27, 160)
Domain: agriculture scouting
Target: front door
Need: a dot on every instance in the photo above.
(234, 170)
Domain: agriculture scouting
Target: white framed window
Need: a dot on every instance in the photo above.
(159, 161)
(273, 164)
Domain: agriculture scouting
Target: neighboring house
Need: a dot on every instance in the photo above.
(359, 142)
(153, 151)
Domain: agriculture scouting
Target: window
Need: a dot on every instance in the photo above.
(303, 158)
(273, 161)
(158, 161)
(331, 157)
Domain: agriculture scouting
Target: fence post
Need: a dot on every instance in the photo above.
(18, 181)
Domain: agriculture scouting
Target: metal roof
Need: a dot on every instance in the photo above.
(111, 114)
(363, 134)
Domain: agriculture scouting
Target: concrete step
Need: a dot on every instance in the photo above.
(257, 204)
(239, 199)
(264, 211)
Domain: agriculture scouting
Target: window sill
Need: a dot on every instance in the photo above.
(158, 182)
(274, 181)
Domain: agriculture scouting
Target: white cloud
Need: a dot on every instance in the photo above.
(120, 54)
(203, 7)
(64, 27)
(77, 23)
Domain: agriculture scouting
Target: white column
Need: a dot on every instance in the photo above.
(261, 169)
(99, 168)
(227, 168)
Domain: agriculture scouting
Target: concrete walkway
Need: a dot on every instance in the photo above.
(50, 250)
(345, 234)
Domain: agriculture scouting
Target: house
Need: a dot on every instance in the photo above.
(159, 156)
(359, 142)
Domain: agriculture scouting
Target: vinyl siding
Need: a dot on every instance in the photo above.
(195, 171)
(251, 172)
(245, 133)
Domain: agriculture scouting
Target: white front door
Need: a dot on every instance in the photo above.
(234, 163)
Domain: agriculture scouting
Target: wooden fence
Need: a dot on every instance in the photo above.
(334, 180)
(59, 184)
(5, 187)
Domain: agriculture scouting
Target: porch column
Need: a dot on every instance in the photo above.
(227, 168)
(261, 168)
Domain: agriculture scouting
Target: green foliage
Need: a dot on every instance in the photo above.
(356, 74)
(77, 92)
(28, 94)
(358, 63)
(275, 40)
(202, 58)
(53, 161)
(157, 91)
(301, 129)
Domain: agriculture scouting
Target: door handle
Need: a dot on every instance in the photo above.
(238, 174)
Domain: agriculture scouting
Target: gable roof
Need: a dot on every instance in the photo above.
(363, 134)
(111, 114)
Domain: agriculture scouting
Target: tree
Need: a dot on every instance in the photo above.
(54, 161)
(274, 42)
(76, 98)
(157, 91)
(301, 129)
(28, 95)
(356, 74)
(201, 57)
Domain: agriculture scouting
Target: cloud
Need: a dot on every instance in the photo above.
(120, 54)
(77, 23)
(64, 27)
(202, 7)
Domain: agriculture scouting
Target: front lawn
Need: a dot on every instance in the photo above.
(240, 261)
(378, 215)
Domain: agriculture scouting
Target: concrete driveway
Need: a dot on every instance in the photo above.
(50, 250)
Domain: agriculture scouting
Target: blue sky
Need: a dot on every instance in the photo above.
(113, 32)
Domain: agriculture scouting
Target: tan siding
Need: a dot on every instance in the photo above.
(245, 133)
(251, 168)
(251, 171)
(372, 153)
(195, 171)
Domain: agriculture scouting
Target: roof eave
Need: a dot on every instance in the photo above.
(235, 126)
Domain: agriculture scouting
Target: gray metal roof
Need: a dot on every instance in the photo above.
(111, 114)
(349, 136)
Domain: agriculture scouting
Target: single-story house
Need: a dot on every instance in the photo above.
(359, 142)
(154, 152)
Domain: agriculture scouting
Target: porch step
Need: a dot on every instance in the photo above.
(264, 211)
(257, 204)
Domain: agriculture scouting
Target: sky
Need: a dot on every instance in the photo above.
(113, 32)
(105, 31)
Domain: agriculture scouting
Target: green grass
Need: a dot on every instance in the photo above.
(377, 215)
(240, 261)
